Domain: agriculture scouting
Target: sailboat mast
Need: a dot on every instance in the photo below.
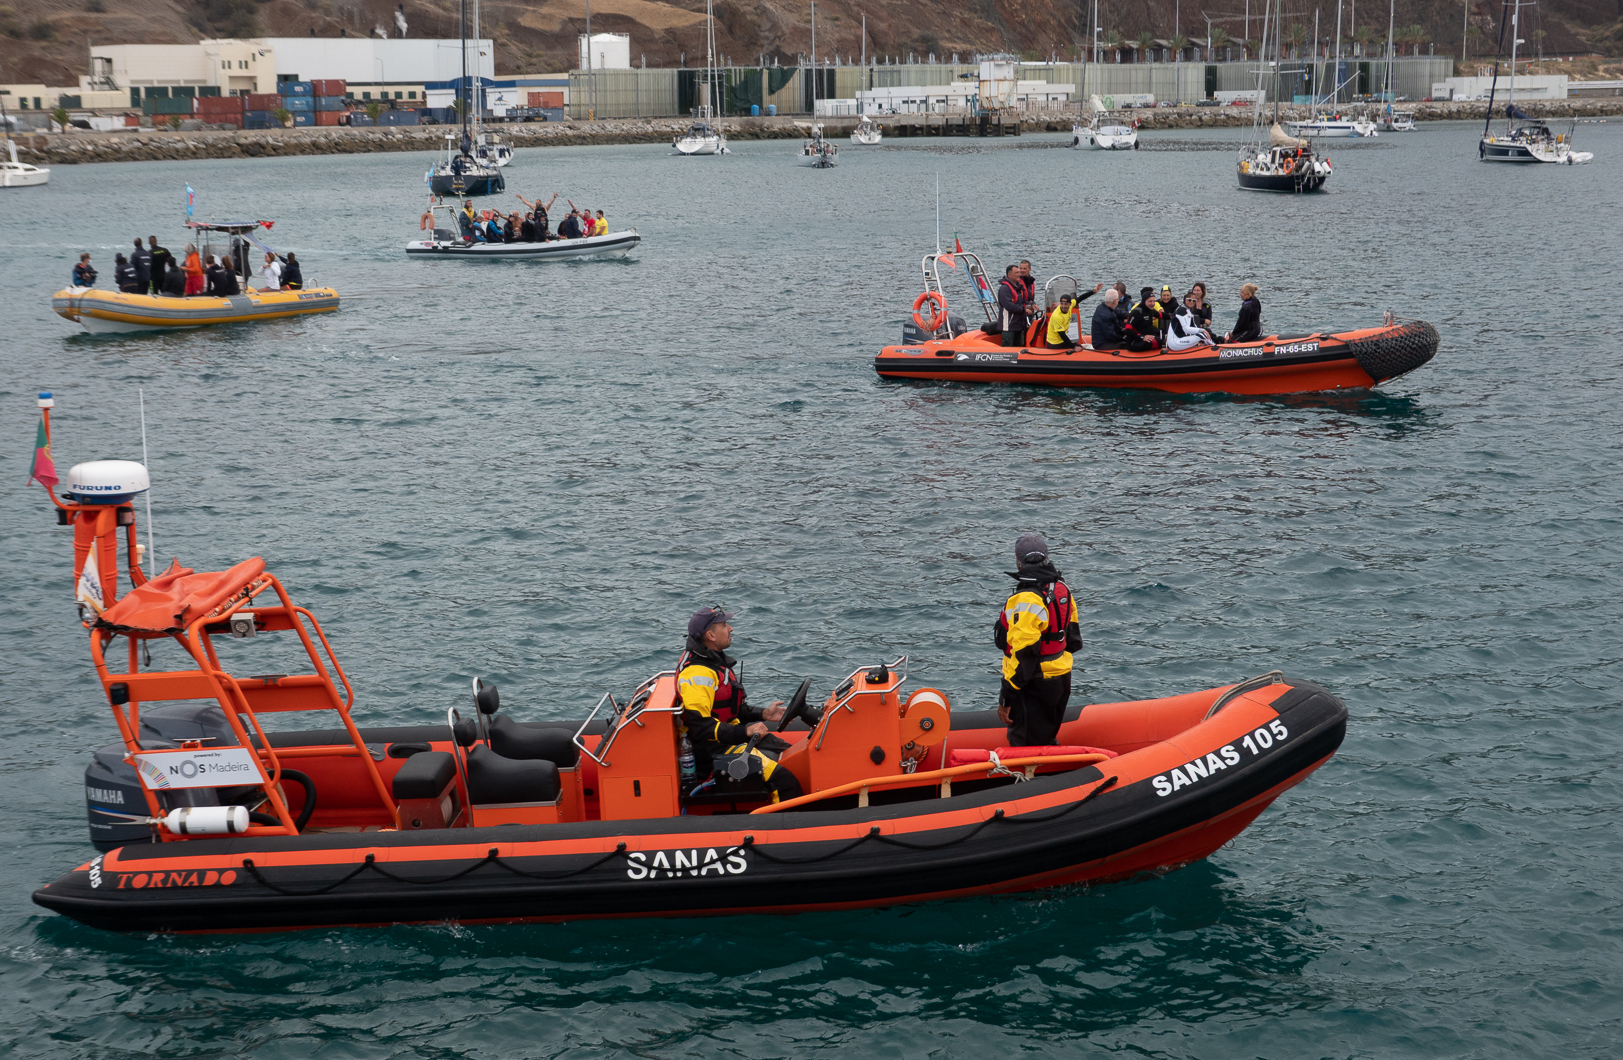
(1515, 39)
(1335, 81)
(1279, 58)
(1391, 22)
(462, 25)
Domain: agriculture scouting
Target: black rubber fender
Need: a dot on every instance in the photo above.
(1397, 352)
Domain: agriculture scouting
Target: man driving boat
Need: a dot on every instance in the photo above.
(715, 713)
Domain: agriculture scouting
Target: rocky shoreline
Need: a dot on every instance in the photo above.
(147, 145)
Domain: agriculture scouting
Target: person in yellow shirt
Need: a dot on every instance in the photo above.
(1062, 316)
(718, 720)
(1037, 631)
(600, 227)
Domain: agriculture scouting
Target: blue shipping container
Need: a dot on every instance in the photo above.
(299, 104)
(303, 118)
(296, 88)
(358, 118)
(397, 117)
(330, 102)
(259, 119)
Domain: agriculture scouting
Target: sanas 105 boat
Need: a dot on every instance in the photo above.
(209, 821)
(943, 347)
(235, 244)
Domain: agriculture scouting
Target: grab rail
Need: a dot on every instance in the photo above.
(618, 716)
(1272, 677)
(861, 787)
(850, 686)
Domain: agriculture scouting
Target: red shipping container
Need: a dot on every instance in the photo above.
(220, 105)
(554, 100)
(263, 101)
(329, 117)
(329, 87)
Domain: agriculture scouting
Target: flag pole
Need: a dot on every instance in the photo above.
(938, 211)
(152, 550)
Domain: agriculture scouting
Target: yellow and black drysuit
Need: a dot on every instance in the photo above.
(715, 714)
(1037, 631)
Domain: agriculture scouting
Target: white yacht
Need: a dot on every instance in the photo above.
(1330, 126)
(1103, 132)
(703, 136)
(15, 174)
(817, 152)
(868, 133)
(1398, 120)
(1526, 138)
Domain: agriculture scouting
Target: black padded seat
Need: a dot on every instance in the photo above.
(494, 779)
(425, 775)
(549, 743)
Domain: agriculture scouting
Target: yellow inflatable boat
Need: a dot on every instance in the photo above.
(115, 311)
(236, 246)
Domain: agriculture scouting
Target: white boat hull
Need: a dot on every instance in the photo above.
(1493, 149)
(1110, 138)
(706, 146)
(23, 175)
(610, 245)
(1331, 130)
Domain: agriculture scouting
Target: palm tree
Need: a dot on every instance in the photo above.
(1250, 49)
(1179, 43)
(1113, 42)
(1414, 36)
(1141, 45)
(1296, 36)
(1362, 35)
(1220, 39)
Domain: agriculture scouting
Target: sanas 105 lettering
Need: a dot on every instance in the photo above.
(1198, 769)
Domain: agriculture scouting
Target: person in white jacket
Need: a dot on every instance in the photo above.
(1183, 330)
(270, 274)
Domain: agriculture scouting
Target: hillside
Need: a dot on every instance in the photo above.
(45, 40)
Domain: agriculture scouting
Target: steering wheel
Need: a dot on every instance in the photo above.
(796, 707)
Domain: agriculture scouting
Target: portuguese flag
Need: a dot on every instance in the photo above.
(44, 470)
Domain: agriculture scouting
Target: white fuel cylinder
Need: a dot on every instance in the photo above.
(207, 820)
(107, 481)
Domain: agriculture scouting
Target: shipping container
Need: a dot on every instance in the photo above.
(296, 88)
(157, 105)
(437, 115)
(358, 118)
(397, 117)
(259, 119)
(331, 103)
(329, 117)
(329, 87)
(299, 104)
(303, 118)
(550, 100)
(222, 105)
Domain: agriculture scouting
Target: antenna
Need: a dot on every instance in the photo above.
(938, 211)
(152, 550)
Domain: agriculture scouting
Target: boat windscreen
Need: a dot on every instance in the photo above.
(234, 227)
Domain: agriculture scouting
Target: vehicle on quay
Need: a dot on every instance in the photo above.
(236, 244)
(945, 348)
(208, 819)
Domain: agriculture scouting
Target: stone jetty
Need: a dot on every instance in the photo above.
(148, 145)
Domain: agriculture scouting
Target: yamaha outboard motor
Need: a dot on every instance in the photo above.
(111, 783)
(913, 335)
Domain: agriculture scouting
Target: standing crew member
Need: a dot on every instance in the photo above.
(1012, 307)
(141, 262)
(1037, 631)
(715, 713)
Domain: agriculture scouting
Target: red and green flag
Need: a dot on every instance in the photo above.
(44, 471)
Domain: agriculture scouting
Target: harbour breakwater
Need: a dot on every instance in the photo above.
(148, 145)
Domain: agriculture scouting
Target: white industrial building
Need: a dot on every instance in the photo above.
(1528, 86)
(237, 67)
(609, 51)
(959, 97)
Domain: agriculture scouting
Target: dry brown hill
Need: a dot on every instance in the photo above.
(45, 40)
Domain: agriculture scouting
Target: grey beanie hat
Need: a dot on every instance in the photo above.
(1029, 544)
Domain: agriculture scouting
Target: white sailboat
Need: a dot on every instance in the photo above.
(15, 174)
(1392, 119)
(461, 172)
(1103, 132)
(704, 137)
(815, 151)
(868, 133)
(1334, 125)
(1284, 163)
(1526, 138)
